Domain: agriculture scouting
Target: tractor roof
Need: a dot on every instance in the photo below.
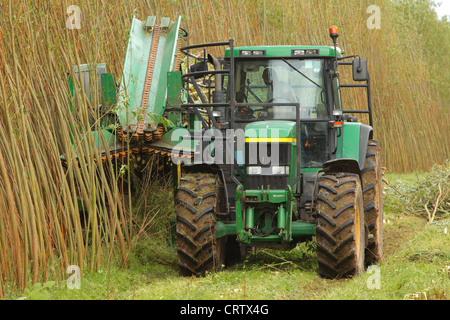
(283, 51)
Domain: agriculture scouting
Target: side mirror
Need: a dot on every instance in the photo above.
(359, 70)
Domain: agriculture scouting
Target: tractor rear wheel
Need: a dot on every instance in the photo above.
(340, 231)
(197, 200)
(371, 176)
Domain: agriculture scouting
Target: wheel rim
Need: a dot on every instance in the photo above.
(359, 238)
(378, 195)
(379, 226)
(357, 232)
(379, 217)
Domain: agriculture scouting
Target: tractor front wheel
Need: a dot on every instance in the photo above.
(373, 202)
(340, 231)
(197, 199)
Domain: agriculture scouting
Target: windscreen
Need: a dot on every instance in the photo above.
(281, 81)
(287, 81)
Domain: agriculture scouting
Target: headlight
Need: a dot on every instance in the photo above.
(280, 170)
(249, 53)
(254, 170)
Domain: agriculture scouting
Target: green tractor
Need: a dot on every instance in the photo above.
(277, 160)
(263, 153)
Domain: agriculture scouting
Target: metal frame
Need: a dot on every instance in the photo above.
(189, 79)
(366, 85)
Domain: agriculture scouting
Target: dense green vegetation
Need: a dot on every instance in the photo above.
(121, 249)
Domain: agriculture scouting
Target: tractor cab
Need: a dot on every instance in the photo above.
(266, 77)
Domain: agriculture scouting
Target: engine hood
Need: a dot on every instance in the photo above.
(270, 130)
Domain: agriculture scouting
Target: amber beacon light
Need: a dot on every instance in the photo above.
(334, 32)
(334, 35)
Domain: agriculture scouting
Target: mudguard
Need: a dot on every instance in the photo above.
(351, 148)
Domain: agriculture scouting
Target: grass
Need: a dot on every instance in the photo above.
(415, 266)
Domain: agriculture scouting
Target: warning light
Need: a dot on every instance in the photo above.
(333, 31)
(337, 124)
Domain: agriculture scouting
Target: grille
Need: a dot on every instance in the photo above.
(256, 155)
(274, 182)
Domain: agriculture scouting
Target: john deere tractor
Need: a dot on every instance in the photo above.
(264, 153)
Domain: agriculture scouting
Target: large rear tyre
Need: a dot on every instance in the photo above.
(197, 200)
(373, 202)
(340, 231)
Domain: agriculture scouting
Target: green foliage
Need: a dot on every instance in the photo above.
(434, 36)
(38, 291)
(160, 119)
(426, 194)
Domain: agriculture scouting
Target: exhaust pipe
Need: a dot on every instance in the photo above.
(218, 94)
